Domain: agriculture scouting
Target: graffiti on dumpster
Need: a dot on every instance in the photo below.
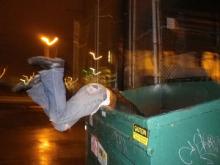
(203, 148)
(121, 143)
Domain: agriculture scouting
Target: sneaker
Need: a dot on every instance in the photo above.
(26, 84)
(46, 62)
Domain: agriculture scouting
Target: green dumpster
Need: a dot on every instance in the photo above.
(181, 127)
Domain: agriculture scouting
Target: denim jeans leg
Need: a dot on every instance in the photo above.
(85, 102)
(54, 88)
(38, 95)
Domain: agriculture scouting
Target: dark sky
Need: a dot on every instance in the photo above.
(21, 21)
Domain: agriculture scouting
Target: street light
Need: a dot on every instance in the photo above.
(49, 43)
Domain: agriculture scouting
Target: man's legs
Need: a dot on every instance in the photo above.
(50, 93)
(55, 91)
(38, 95)
(85, 102)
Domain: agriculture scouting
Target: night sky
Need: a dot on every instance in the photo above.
(22, 21)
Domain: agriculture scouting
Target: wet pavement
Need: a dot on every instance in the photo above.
(28, 138)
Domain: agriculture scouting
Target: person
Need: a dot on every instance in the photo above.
(48, 90)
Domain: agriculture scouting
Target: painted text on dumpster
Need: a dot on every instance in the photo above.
(202, 147)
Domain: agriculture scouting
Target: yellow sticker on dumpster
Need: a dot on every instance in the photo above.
(140, 134)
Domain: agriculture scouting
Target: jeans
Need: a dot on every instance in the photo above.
(50, 94)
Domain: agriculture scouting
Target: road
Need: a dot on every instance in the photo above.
(27, 137)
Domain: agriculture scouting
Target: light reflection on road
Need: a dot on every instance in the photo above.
(27, 137)
(45, 148)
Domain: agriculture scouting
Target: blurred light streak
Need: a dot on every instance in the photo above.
(95, 73)
(109, 57)
(3, 73)
(69, 82)
(27, 79)
(94, 57)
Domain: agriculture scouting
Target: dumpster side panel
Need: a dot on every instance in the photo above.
(114, 133)
(182, 138)
(112, 155)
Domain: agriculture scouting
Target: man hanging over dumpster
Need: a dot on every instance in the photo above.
(48, 90)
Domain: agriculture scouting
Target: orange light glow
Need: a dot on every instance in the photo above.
(211, 63)
(48, 41)
(44, 148)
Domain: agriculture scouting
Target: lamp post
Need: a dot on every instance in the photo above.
(49, 43)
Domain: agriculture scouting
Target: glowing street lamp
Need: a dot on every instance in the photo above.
(48, 43)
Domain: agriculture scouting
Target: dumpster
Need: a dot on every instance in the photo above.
(181, 126)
